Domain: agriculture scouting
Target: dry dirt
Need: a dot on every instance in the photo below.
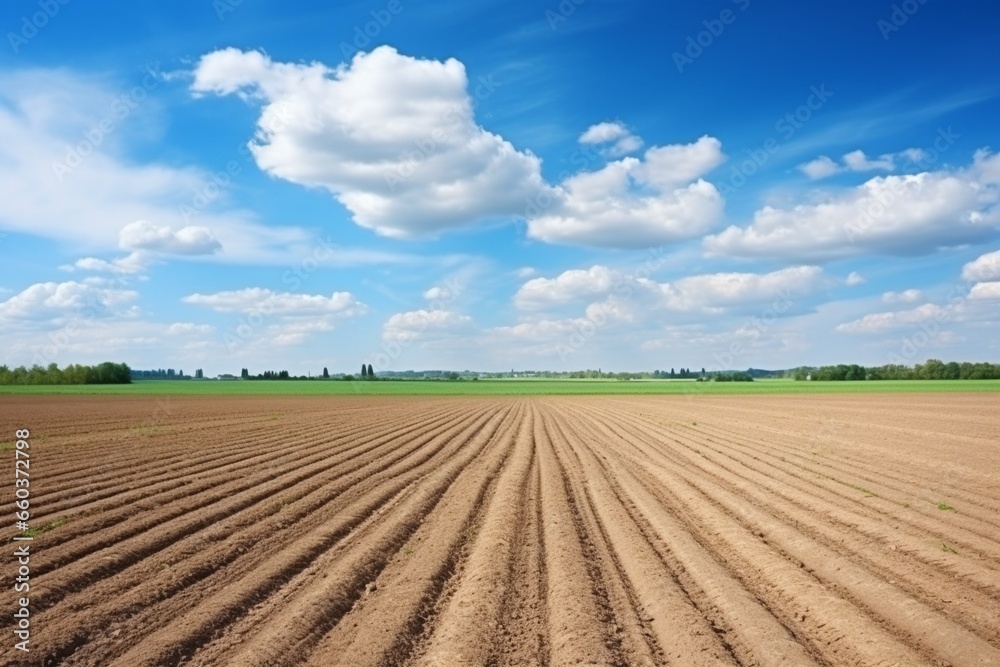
(757, 530)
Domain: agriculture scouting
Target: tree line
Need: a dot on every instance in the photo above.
(104, 373)
(932, 369)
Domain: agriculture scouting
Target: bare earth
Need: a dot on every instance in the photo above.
(724, 530)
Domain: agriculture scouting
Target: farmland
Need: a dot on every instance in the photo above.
(513, 387)
(711, 530)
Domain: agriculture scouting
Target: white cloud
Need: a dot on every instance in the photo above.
(906, 296)
(858, 161)
(602, 133)
(985, 291)
(392, 137)
(133, 263)
(876, 322)
(256, 299)
(729, 290)
(51, 300)
(914, 155)
(185, 328)
(526, 272)
(617, 140)
(892, 215)
(983, 268)
(435, 293)
(53, 118)
(854, 278)
(190, 240)
(568, 286)
(537, 330)
(986, 166)
(633, 203)
(821, 167)
(423, 324)
(628, 296)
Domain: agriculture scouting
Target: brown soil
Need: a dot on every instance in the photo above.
(757, 530)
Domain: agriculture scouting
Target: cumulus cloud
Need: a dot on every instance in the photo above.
(729, 290)
(902, 215)
(614, 139)
(421, 324)
(133, 263)
(190, 240)
(984, 268)
(393, 138)
(858, 161)
(876, 322)
(854, 278)
(185, 328)
(819, 168)
(636, 202)
(625, 293)
(567, 286)
(256, 299)
(51, 300)
(987, 291)
(906, 296)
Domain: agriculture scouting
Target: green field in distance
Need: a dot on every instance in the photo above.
(516, 387)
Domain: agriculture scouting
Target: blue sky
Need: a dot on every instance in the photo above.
(418, 184)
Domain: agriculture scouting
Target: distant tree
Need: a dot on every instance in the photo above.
(245, 373)
(199, 374)
(326, 374)
(672, 373)
(371, 373)
(364, 372)
(703, 371)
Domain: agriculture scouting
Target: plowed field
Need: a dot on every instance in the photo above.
(724, 530)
